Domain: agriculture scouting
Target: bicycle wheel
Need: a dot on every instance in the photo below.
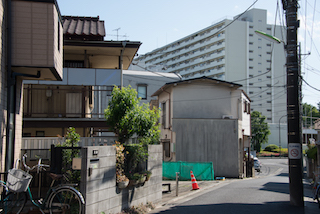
(318, 196)
(65, 201)
(13, 202)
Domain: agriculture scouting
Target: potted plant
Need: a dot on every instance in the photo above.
(134, 178)
(148, 175)
(122, 181)
(142, 178)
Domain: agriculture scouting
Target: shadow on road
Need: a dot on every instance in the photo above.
(276, 187)
(282, 207)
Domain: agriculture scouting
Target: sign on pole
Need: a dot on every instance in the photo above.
(294, 150)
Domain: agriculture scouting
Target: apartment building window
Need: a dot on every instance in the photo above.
(269, 28)
(250, 67)
(250, 92)
(269, 101)
(250, 26)
(268, 85)
(250, 59)
(268, 109)
(250, 34)
(268, 44)
(268, 118)
(250, 51)
(142, 91)
(268, 93)
(250, 83)
(250, 76)
(250, 43)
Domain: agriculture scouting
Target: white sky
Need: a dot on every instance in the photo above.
(157, 23)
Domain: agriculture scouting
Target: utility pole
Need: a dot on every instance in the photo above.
(293, 105)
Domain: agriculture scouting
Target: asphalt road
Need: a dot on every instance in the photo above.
(267, 193)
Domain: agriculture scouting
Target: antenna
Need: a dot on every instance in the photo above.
(117, 34)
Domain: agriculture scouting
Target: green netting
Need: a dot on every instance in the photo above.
(201, 171)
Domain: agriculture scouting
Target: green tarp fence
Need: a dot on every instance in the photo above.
(201, 171)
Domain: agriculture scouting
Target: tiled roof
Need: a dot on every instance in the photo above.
(83, 28)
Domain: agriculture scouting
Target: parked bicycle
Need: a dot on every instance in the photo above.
(316, 188)
(62, 198)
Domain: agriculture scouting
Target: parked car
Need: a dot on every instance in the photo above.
(257, 164)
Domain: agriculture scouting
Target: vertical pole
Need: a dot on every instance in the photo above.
(293, 105)
(177, 183)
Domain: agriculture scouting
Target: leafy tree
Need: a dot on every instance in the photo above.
(260, 130)
(308, 112)
(126, 117)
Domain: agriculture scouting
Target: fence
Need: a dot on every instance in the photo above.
(202, 171)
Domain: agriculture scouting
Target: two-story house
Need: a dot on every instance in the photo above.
(205, 120)
(91, 66)
(31, 38)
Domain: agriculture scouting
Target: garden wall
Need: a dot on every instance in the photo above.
(98, 181)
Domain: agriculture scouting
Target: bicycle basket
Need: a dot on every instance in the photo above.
(18, 180)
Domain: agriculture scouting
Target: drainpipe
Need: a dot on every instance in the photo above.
(10, 131)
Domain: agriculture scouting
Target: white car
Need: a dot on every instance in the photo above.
(257, 164)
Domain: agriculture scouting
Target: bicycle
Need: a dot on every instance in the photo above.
(316, 188)
(62, 198)
(14, 196)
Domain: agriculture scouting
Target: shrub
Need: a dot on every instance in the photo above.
(312, 152)
(271, 148)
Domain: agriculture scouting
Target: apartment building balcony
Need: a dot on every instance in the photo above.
(195, 62)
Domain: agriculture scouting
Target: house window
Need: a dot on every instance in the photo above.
(164, 115)
(166, 148)
(39, 133)
(142, 91)
(58, 36)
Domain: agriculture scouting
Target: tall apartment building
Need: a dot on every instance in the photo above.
(230, 50)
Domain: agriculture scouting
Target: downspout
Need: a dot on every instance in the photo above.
(10, 126)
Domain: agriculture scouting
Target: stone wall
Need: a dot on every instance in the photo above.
(98, 183)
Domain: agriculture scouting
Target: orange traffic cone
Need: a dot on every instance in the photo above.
(194, 182)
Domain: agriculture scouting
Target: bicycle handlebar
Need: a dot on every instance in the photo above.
(39, 166)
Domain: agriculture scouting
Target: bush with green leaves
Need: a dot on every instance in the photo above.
(312, 152)
(271, 148)
(126, 117)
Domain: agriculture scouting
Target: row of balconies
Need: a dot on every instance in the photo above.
(183, 66)
(210, 73)
(187, 41)
(170, 58)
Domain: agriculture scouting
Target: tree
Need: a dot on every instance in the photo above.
(126, 117)
(260, 130)
(310, 114)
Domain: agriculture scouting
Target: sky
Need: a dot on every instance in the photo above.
(157, 23)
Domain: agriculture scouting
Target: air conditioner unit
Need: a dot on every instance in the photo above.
(226, 116)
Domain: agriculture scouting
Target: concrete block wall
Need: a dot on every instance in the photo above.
(99, 181)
